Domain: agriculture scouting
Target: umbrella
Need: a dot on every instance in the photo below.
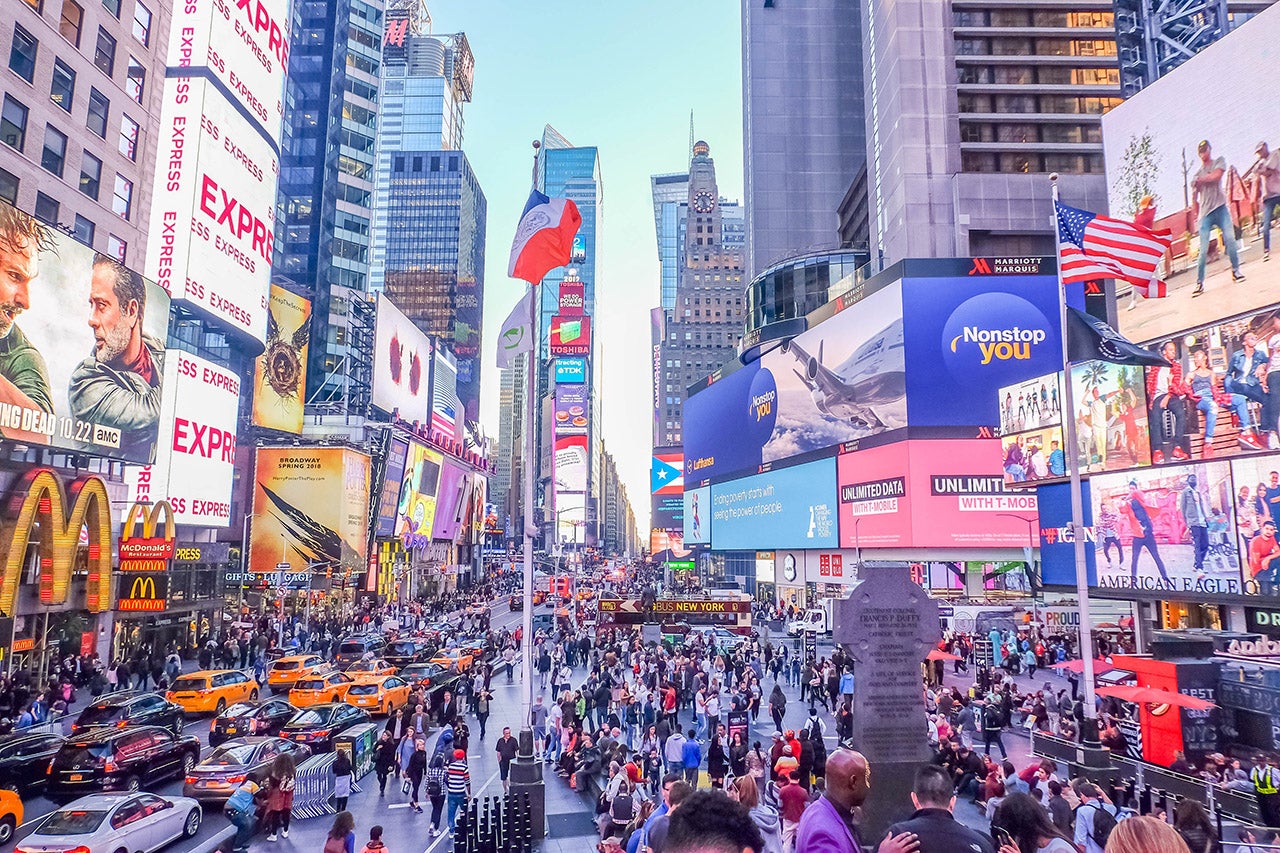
(1156, 696)
(939, 654)
(1099, 666)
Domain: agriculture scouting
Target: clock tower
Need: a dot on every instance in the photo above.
(703, 235)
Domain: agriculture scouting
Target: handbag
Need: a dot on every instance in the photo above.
(405, 787)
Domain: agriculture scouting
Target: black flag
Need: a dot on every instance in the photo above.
(1090, 339)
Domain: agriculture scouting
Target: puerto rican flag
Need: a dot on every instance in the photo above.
(667, 474)
(1091, 247)
(544, 237)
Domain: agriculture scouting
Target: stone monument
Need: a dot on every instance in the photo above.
(888, 624)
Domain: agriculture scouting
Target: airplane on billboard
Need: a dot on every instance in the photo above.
(873, 376)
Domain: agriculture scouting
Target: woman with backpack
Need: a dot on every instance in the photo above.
(280, 785)
(435, 791)
(342, 835)
(342, 777)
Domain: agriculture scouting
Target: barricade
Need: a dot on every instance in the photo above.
(495, 825)
(313, 787)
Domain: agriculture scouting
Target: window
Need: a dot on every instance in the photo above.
(105, 55)
(142, 23)
(38, 5)
(136, 80)
(128, 137)
(13, 123)
(22, 54)
(72, 21)
(122, 202)
(112, 6)
(90, 175)
(117, 248)
(8, 186)
(46, 209)
(83, 230)
(63, 87)
(99, 108)
(54, 156)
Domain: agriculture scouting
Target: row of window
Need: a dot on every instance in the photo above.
(1032, 18)
(1057, 104)
(48, 210)
(1019, 46)
(1050, 133)
(1044, 75)
(1069, 164)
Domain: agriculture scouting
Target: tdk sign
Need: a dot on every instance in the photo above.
(571, 370)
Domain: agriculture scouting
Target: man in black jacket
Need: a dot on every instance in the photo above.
(934, 827)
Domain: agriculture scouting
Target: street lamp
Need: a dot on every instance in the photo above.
(1031, 549)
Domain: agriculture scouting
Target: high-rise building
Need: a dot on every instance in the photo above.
(671, 214)
(505, 487)
(325, 202)
(701, 331)
(80, 117)
(969, 106)
(803, 133)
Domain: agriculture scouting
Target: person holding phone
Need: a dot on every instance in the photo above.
(1021, 825)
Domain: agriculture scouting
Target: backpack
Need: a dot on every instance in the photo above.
(435, 782)
(1103, 824)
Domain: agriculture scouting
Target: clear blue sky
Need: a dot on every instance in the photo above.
(622, 76)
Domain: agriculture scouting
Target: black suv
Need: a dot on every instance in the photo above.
(130, 709)
(404, 652)
(355, 647)
(119, 760)
(318, 725)
(24, 760)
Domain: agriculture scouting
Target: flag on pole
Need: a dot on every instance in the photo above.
(1092, 247)
(517, 331)
(544, 237)
(1090, 339)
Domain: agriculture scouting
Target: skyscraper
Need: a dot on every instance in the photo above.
(803, 133)
(671, 214)
(325, 200)
(505, 487)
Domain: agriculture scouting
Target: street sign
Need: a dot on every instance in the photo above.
(283, 567)
(810, 645)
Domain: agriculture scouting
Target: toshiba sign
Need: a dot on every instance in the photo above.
(213, 214)
(195, 461)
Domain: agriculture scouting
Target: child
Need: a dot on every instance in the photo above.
(374, 844)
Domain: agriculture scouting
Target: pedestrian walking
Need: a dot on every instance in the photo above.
(341, 770)
(342, 835)
(280, 785)
(457, 786)
(506, 750)
(416, 770)
(436, 783)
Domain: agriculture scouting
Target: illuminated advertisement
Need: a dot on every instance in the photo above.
(790, 508)
(83, 342)
(452, 499)
(571, 370)
(1256, 488)
(1037, 454)
(931, 494)
(1057, 548)
(571, 463)
(446, 408)
(1166, 529)
(570, 335)
(1111, 416)
(280, 373)
(310, 509)
(1152, 147)
(572, 402)
(392, 480)
(195, 465)
(1031, 404)
(401, 364)
(573, 299)
(416, 512)
(213, 214)
(697, 516)
(666, 478)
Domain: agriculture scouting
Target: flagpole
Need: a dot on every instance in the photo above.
(1089, 728)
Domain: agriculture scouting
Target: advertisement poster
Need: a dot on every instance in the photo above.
(573, 300)
(401, 365)
(280, 373)
(195, 463)
(453, 495)
(1111, 416)
(392, 479)
(723, 434)
(1256, 481)
(1034, 455)
(571, 370)
(572, 404)
(83, 337)
(310, 509)
(1057, 548)
(416, 512)
(1032, 404)
(1167, 528)
(571, 463)
(446, 408)
(571, 518)
(570, 335)
(969, 337)
(697, 516)
(666, 476)
(788, 508)
(1151, 143)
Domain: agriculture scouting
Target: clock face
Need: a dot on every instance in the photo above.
(704, 201)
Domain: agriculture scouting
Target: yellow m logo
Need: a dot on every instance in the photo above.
(150, 520)
(39, 500)
(143, 587)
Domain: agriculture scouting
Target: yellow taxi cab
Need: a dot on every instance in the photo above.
(211, 691)
(283, 673)
(377, 666)
(459, 659)
(379, 694)
(320, 687)
(10, 814)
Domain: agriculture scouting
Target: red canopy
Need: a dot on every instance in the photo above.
(1155, 696)
(939, 654)
(1099, 666)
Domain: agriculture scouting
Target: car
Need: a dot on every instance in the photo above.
(263, 717)
(285, 671)
(431, 679)
(222, 770)
(516, 602)
(24, 761)
(456, 658)
(379, 694)
(318, 725)
(331, 686)
(405, 652)
(377, 666)
(119, 760)
(130, 709)
(723, 638)
(355, 647)
(10, 814)
(109, 823)
(211, 691)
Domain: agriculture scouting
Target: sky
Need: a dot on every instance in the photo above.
(622, 76)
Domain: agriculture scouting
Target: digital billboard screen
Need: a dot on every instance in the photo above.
(401, 364)
(1256, 488)
(697, 516)
(1031, 404)
(392, 479)
(573, 300)
(416, 511)
(453, 495)
(571, 463)
(787, 508)
(82, 345)
(570, 335)
(1151, 143)
(666, 477)
(571, 370)
(280, 373)
(1111, 416)
(572, 409)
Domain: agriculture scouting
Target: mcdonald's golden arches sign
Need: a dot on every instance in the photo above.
(148, 552)
(144, 592)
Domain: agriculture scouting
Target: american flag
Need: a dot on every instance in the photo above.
(1092, 247)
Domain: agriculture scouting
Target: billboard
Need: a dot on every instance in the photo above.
(82, 345)
(1151, 143)
(392, 479)
(446, 408)
(571, 370)
(452, 497)
(1172, 527)
(213, 215)
(573, 297)
(1037, 454)
(571, 463)
(401, 364)
(697, 516)
(195, 463)
(666, 478)
(1256, 489)
(1031, 404)
(416, 512)
(572, 409)
(931, 494)
(310, 508)
(571, 518)
(1111, 416)
(570, 335)
(786, 508)
(280, 373)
